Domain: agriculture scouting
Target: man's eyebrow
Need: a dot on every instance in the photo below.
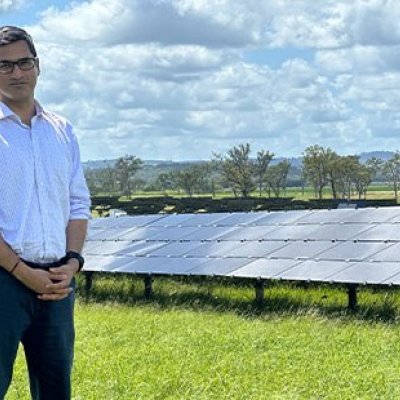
(18, 59)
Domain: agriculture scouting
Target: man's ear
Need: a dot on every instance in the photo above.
(38, 66)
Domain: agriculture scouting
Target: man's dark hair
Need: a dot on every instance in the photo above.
(10, 34)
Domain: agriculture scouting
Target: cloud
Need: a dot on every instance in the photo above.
(170, 78)
(9, 5)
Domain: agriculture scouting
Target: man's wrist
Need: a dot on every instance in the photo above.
(74, 263)
(74, 255)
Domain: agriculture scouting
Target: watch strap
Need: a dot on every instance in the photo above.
(74, 254)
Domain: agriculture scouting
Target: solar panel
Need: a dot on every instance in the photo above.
(100, 263)
(256, 249)
(366, 272)
(205, 219)
(172, 220)
(282, 217)
(318, 232)
(108, 234)
(303, 249)
(175, 266)
(352, 251)
(248, 233)
(263, 268)
(244, 219)
(312, 270)
(139, 249)
(174, 233)
(391, 253)
(325, 217)
(174, 249)
(143, 233)
(210, 232)
(142, 265)
(381, 232)
(341, 246)
(218, 266)
(213, 249)
(106, 247)
(124, 222)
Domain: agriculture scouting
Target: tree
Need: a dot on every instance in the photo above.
(391, 170)
(107, 178)
(191, 178)
(165, 181)
(100, 180)
(348, 170)
(333, 167)
(260, 167)
(276, 177)
(362, 179)
(315, 168)
(125, 169)
(237, 169)
(375, 165)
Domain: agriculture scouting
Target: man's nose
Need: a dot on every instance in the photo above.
(17, 71)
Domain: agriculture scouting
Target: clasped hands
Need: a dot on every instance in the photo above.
(50, 285)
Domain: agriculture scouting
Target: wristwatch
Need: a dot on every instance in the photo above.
(77, 256)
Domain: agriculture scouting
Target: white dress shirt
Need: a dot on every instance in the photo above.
(42, 185)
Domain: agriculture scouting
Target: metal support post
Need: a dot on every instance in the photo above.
(259, 285)
(352, 292)
(88, 281)
(148, 289)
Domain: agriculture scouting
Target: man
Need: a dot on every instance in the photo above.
(44, 208)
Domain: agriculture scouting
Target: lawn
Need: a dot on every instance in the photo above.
(375, 192)
(209, 340)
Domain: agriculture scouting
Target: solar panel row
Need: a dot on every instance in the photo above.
(359, 246)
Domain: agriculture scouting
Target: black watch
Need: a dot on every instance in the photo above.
(77, 256)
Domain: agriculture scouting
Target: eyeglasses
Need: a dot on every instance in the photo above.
(24, 64)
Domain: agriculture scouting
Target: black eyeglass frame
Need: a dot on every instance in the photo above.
(19, 62)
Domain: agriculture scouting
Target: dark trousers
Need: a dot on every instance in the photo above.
(46, 330)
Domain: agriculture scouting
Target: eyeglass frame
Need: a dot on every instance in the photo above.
(18, 62)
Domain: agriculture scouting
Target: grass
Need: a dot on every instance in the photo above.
(375, 192)
(208, 340)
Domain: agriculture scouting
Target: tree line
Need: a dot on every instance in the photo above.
(242, 174)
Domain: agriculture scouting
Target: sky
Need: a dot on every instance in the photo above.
(185, 79)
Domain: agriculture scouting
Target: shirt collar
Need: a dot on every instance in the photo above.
(6, 111)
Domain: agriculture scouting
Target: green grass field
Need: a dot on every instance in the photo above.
(374, 192)
(208, 340)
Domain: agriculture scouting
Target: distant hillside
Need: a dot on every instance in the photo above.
(169, 164)
(384, 155)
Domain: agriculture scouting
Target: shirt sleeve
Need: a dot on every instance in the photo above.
(79, 197)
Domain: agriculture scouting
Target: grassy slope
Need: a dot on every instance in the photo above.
(210, 342)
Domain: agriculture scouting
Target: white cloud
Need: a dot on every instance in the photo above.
(8, 5)
(169, 78)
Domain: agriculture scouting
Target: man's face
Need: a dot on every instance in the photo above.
(17, 87)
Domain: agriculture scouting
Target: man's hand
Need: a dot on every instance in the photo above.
(60, 281)
(50, 285)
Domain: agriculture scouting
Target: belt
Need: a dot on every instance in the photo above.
(46, 266)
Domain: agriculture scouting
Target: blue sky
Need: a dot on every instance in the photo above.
(181, 79)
